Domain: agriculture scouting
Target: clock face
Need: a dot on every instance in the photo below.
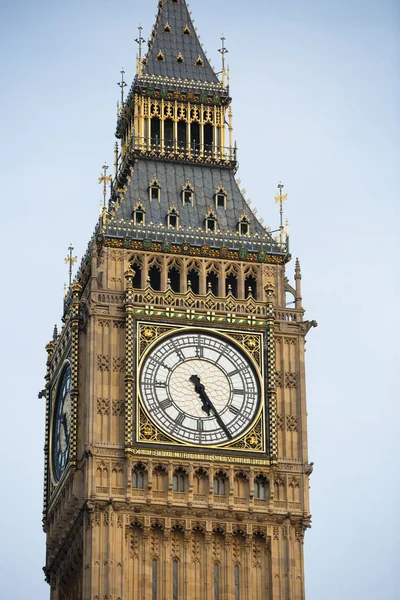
(200, 388)
(61, 425)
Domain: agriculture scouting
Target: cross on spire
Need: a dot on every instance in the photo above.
(105, 179)
(71, 260)
(281, 198)
(122, 84)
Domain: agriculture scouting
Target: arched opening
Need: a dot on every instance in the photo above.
(260, 488)
(208, 137)
(155, 278)
(175, 579)
(182, 134)
(137, 280)
(178, 481)
(138, 479)
(194, 279)
(251, 286)
(168, 132)
(232, 285)
(220, 484)
(241, 488)
(212, 283)
(155, 130)
(195, 135)
(175, 279)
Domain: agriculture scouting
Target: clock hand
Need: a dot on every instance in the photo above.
(64, 423)
(208, 406)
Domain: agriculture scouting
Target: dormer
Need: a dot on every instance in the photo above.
(188, 194)
(244, 224)
(220, 197)
(155, 190)
(139, 213)
(173, 217)
(211, 220)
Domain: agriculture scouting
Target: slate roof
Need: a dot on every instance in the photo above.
(175, 42)
(172, 178)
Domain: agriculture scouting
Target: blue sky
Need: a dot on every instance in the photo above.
(316, 93)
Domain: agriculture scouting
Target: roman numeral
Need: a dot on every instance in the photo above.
(238, 392)
(165, 404)
(161, 384)
(199, 351)
(180, 418)
(233, 373)
(234, 409)
(200, 425)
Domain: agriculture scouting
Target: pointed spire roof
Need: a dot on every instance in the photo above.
(174, 47)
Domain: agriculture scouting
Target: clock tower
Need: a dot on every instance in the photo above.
(176, 462)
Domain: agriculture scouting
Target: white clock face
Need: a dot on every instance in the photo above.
(200, 388)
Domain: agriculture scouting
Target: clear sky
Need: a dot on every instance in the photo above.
(316, 93)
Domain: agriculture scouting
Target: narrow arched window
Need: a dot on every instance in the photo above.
(219, 486)
(154, 583)
(237, 582)
(175, 580)
(138, 479)
(216, 581)
(260, 488)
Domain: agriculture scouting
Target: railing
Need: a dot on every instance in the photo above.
(164, 147)
(190, 301)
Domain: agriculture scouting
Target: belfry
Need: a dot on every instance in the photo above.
(176, 462)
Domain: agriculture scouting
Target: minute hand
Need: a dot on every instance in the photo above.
(195, 379)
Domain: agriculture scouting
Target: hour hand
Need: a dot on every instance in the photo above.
(200, 389)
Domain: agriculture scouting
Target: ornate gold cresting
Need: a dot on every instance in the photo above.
(271, 360)
(76, 293)
(129, 357)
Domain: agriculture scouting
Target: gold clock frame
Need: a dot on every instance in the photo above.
(149, 334)
(54, 392)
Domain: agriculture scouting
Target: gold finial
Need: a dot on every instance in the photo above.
(281, 198)
(104, 179)
(71, 260)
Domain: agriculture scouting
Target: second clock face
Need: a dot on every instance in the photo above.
(200, 388)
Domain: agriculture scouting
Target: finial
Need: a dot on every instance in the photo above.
(140, 41)
(55, 333)
(71, 260)
(105, 179)
(281, 198)
(223, 52)
(122, 84)
(297, 272)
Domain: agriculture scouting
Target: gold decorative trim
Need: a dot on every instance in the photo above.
(150, 334)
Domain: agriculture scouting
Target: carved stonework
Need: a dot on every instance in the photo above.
(103, 362)
(103, 406)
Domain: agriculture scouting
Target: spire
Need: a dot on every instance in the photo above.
(175, 50)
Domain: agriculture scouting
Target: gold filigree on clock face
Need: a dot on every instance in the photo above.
(199, 388)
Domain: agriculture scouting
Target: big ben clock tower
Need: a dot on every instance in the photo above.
(176, 462)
